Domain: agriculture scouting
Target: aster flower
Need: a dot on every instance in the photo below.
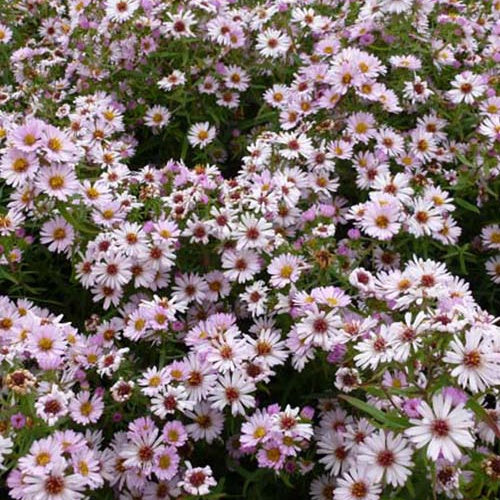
(55, 485)
(157, 117)
(197, 480)
(478, 365)
(285, 269)
(58, 234)
(201, 134)
(5, 33)
(273, 43)
(52, 406)
(121, 10)
(387, 456)
(357, 484)
(58, 181)
(166, 462)
(85, 409)
(467, 86)
(319, 327)
(207, 422)
(28, 137)
(442, 428)
(233, 390)
(18, 167)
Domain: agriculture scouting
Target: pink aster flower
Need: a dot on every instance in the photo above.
(285, 269)
(58, 234)
(28, 137)
(85, 409)
(442, 428)
(197, 480)
(58, 181)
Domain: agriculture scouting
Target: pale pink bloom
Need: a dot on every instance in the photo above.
(201, 134)
(442, 428)
(357, 484)
(58, 234)
(478, 365)
(85, 409)
(233, 390)
(197, 480)
(58, 181)
(285, 269)
(387, 456)
(54, 485)
(121, 10)
(467, 86)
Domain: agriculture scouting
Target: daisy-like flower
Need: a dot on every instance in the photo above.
(425, 219)
(490, 236)
(113, 272)
(387, 456)
(57, 145)
(236, 78)
(28, 137)
(251, 232)
(255, 296)
(166, 462)
(257, 429)
(190, 287)
(285, 269)
(467, 87)
(490, 128)
(84, 409)
(361, 126)
(381, 220)
(442, 428)
(322, 488)
(141, 448)
(375, 349)
(157, 117)
(234, 390)
(319, 327)
(58, 181)
(154, 380)
(493, 268)
(201, 134)
(175, 79)
(174, 433)
(347, 379)
(121, 10)
(18, 167)
(47, 345)
(197, 480)
(52, 406)
(207, 422)
(58, 234)
(5, 33)
(179, 24)
(408, 62)
(478, 365)
(273, 43)
(42, 455)
(240, 265)
(294, 145)
(357, 484)
(417, 91)
(54, 485)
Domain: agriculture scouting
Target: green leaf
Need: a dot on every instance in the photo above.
(466, 205)
(392, 421)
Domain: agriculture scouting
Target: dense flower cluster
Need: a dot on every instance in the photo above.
(270, 237)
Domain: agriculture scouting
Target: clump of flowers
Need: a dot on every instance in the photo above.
(248, 249)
